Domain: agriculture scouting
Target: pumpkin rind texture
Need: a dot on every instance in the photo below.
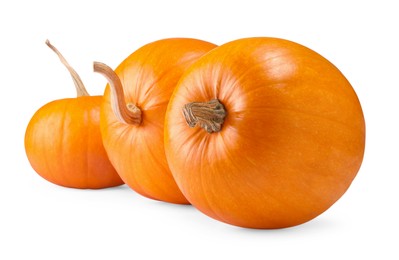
(148, 76)
(64, 146)
(290, 146)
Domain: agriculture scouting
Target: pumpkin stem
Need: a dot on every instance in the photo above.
(126, 113)
(208, 115)
(80, 88)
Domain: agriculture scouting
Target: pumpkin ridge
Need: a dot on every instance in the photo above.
(87, 121)
(296, 111)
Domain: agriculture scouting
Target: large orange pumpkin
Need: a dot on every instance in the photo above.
(278, 133)
(132, 119)
(63, 141)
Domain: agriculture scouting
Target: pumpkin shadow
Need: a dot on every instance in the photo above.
(315, 225)
(123, 187)
(164, 204)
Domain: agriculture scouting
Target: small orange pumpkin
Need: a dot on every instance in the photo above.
(264, 133)
(63, 140)
(133, 111)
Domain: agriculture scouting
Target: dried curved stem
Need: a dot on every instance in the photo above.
(80, 88)
(126, 113)
(208, 115)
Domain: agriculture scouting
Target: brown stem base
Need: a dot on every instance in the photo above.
(208, 115)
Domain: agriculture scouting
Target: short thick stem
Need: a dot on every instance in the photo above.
(208, 115)
(80, 88)
(126, 113)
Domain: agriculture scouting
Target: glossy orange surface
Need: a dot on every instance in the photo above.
(290, 146)
(63, 144)
(148, 76)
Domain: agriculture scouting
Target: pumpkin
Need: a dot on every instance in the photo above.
(264, 133)
(133, 111)
(63, 140)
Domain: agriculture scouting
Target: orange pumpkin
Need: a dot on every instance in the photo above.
(132, 115)
(63, 141)
(264, 133)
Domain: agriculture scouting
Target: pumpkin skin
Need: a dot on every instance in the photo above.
(290, 145)
(148, 77)
(64, 146)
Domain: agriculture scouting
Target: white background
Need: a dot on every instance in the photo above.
(39, 220)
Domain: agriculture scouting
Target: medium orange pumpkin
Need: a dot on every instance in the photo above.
(278, 135)
(132, 115)
(63, 141)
